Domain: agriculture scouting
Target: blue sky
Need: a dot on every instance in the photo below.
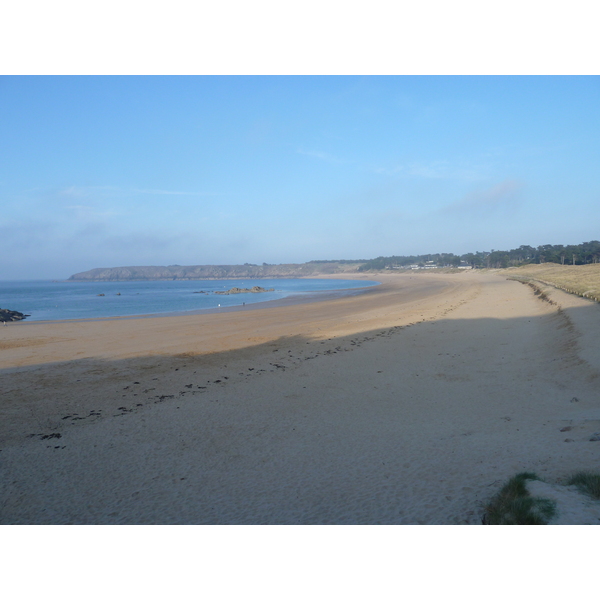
(113, 171)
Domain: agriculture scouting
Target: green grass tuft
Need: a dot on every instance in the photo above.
(513, 505)
(588, 483)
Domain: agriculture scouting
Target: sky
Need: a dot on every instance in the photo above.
(107, 171)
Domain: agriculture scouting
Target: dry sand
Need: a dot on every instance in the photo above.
(412, 402)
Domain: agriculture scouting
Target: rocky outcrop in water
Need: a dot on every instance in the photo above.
(254, 290)
(11, 315)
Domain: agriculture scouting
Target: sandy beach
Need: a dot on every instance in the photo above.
(410, 403)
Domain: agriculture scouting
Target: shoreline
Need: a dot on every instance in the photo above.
(290, 300)
(37, 342)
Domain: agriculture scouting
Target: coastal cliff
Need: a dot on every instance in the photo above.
(246, 271)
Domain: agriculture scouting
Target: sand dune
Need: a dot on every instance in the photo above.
(410, 403)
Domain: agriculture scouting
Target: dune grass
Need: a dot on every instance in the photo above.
(586, 482)
(513, 505)
(581, 280)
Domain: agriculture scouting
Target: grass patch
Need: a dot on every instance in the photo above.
(588, 483)
(513, 505)
(581, 280)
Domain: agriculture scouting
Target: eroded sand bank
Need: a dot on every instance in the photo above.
(410, 403)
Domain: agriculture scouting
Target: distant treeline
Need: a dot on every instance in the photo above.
(588, 252)
(341, 261)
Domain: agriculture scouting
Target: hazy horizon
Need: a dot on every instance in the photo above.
(122, 171)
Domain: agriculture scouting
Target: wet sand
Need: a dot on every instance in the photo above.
(412, 402)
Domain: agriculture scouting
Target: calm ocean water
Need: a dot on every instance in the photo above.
(50, 300)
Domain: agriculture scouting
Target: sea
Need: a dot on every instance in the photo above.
(59, 300)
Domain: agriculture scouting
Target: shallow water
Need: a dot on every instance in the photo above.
(53, 300)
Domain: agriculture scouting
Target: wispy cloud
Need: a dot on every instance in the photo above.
(75, 191)
(83, 191)
(321, 156)
(500, 198)
(171, 193)
(437, 169)
(88, 213)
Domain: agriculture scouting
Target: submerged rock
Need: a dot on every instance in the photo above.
(254, 290)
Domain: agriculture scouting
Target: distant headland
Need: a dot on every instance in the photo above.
(246, 271)
(580, 254)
